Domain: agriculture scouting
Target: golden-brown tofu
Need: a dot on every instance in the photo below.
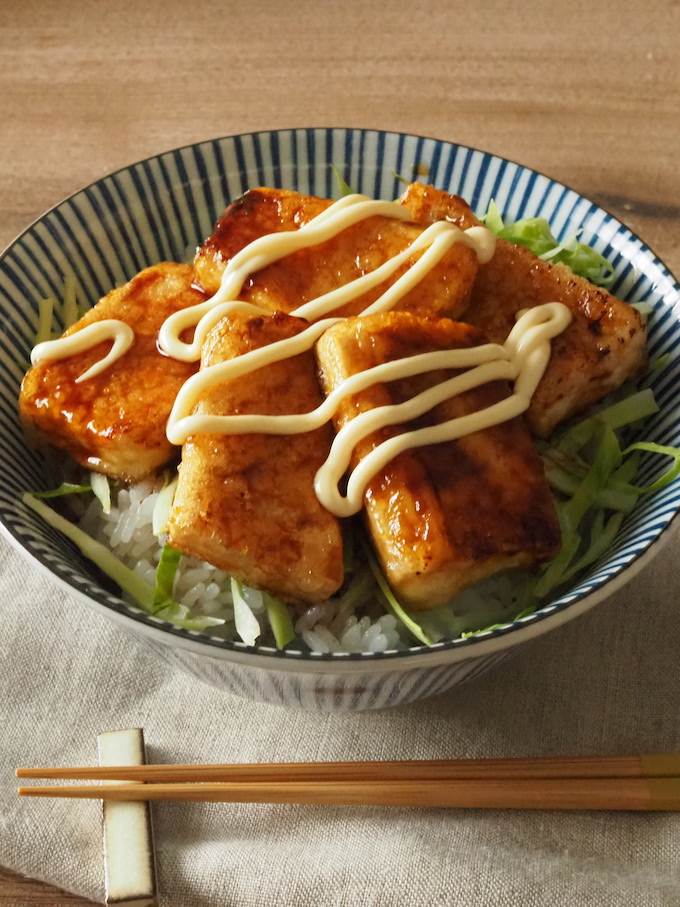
(443, 515)
(246, 503)
(309, 273)
(604, 345)
(115, 422)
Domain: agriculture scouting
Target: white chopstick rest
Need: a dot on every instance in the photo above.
(128, 837)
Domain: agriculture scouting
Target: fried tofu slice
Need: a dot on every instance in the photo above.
(604, 345)
(114, 422)
(444, 515)
(309, 273)
(246, 503)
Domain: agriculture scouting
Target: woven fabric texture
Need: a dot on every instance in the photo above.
(608, 682)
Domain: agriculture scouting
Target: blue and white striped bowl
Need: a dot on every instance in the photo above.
(157, 210)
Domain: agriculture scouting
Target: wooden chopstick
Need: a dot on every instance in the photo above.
(508, 793)
(644, 766)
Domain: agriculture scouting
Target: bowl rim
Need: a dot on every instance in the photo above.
(359, 129)
(352, 663)
(444, 652)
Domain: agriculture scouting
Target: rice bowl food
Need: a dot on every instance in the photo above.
(361, 619)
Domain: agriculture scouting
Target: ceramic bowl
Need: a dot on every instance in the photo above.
(160, 208)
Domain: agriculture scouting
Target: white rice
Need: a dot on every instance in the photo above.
(332, 626)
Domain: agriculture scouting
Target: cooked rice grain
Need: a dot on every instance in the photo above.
(331, 626)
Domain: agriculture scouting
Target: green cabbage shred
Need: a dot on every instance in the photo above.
(131, 584)
(45, 314)
(392, 602)
(163, 505)
(64, 489)
(247, 625)
(535, 234)
(99, 554)
(343, 187)
(101, 489)
(165, 578)
(592, 475)
(279, 620)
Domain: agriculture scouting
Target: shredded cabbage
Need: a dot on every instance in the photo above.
(655, 365)
(279, 620)
(359, 587)
(99, 554)
(343, 186)
(671, 473)
(64, 489)
(593, 476)
(178, 616)
(71, 312)
(393, 604)
(101, 489)
(535, 234)
(493, 218)
(163, 505)
(45, 313)
(487, 604)
(108, 563)
(645, 309)
(165, 577)
(247, 625)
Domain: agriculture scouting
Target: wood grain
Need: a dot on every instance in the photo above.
(647, 766)
(87, 87)
(84, 94)
(18, 891)
(489, 793)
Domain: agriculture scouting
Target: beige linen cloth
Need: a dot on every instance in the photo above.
(608, 682)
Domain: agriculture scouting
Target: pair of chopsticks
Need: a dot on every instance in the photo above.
(650, 782)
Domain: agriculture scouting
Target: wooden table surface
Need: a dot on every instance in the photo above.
(586, 92)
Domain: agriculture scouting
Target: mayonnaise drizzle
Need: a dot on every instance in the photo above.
(435, 240)
(87, 338)
(522, 359)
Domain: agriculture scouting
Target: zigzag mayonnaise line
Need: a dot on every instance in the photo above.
(522, 359)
